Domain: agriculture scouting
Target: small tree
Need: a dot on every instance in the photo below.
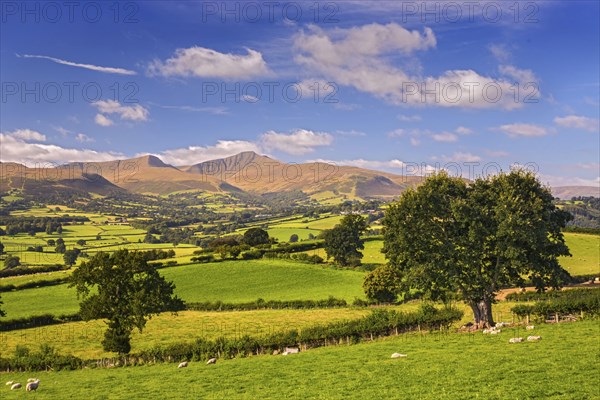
(60, 248)
(1, 248)
(51, 242)
(256, 236)
(343, 241)
(2, 312)
(12, 262)
(81, 242)
(293, 238)
(70, 257)
(382, 284)
(128, 292)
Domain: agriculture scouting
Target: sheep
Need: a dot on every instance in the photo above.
(9, 383)
(16, 386)
(495, 332)
(398, 355)
(533, 338)
(529, 327)
(183, 364)
(501, 324)
(292, 350)
(32, 380)
(32, 386)
(285, 353)
(211, 361)
(516, 340)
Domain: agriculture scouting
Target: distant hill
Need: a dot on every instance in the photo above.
(567, 192)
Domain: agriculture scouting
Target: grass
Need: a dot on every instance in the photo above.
(83, 339)
(230, 281)
(586, 254)
(563, 365)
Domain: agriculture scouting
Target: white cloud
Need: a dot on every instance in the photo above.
(64, 132)
(196, 154)
(554, 180)
(578, 122)
(500, 52)
(361, 163)
(102, 120)
(409, 118)
(350, 133)
(444, 137)
(19, 150)
(461, 130)
(497, 153)
(84, 138)
(414, 141)
(522, 76)
(110, 70)
(207, 63)
(27, 135)
(129, 113)
(359, 57)
(210, 110)
(527, 130)
(462, 157)
(298, 142)
(397, 133)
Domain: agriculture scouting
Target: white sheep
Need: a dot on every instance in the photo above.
(501, 324)
(183, 364)
(529, 327)
(211, 361)
(32, 380)
(516, 340)
(292, 350)
(533, 338)
(9, 383)
(32, 386)
(16, 386)
(398, 355)
(495, 331)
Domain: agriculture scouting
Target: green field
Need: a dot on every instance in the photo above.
(83, 339)
(586, 254)
(229, 281)
(563, 365)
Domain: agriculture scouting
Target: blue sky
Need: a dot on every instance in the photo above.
(382, 85)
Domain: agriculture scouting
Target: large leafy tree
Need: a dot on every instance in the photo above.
(448, 237)
(256, 236)
(343, 242)
(124, 289)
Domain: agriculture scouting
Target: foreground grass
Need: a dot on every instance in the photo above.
(563, 365)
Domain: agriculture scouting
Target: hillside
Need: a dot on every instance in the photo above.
(567, 192)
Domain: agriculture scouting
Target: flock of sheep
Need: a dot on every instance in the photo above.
(496, 330)
(32, 385)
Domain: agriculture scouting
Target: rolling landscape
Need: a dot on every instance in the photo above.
(234, 200)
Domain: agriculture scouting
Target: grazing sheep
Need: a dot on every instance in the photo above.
(495, 331)
(211, 361)
(285, 353)
(16, 386)
(533, 338)
(292, 350)
(32, 380)
(9, 383)
(398, 355)
(183, 364)
(501, 324)
(529, 327)
(32, 386)
(516, 340)
(275, 352)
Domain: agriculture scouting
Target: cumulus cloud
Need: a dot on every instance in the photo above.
(298, 142)
(500, 52)
(360, 57)
(461, 130)
(207, 63)
(409, 118)
(16, 149)
(578, 122)
(444, 137)
(462, 157)
(196, 154)
(128, 113)
(110, 70)
(527, 130)
(27, 135)
(102, 120)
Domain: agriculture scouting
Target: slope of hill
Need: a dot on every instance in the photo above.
(567, 192)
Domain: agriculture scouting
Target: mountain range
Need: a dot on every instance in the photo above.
(244, 172)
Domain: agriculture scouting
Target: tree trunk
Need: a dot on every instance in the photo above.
(482, 313)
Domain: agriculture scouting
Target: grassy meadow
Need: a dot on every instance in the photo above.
(563, 365)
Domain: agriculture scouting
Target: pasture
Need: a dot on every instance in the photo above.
(563, 365)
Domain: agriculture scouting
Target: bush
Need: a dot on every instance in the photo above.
(252, 254)
(563, 303)
(203, 258)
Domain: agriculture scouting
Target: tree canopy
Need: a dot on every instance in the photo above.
(256, 236)
(343, 242)
(127, 292)
(448, 237)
